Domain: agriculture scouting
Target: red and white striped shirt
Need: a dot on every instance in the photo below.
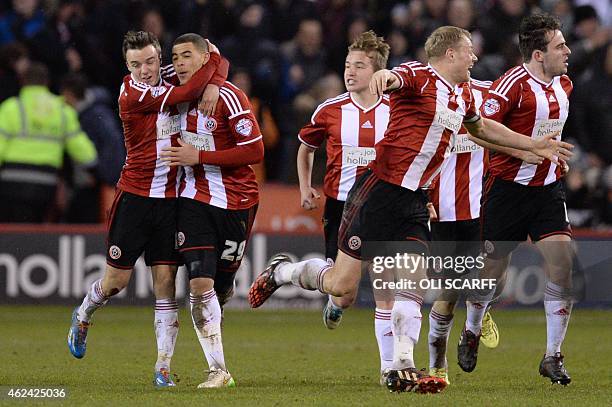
(351, 132)
(530, 107)
(425, 111)
(151, 122)
(233, 124)
(456, 192)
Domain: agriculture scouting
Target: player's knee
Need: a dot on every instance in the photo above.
(114, 281)
(200, 264)
(200, 285)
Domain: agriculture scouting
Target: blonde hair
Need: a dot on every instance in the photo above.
(369, 42)
(444, 38)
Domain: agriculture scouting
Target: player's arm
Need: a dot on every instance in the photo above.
(311, 136)
(188, 155)
(384, 81)
(249, 147)
(210, 97)
(498, 134)
(523, 155)
(305, 159)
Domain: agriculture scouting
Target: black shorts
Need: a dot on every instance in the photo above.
(138, 224)
(510, 212)
(456, 239)
(205, 227)
(461, 237)
(332, 217)
(376, 210)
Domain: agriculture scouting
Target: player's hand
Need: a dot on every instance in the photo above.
(564, 167)
(208, 101)
(212, 48)
(530, 158)
(433, 215)
(551, 149)
(309, 195)
(381, 81)
(185, 154)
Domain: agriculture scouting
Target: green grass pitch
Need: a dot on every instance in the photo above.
(289, 358)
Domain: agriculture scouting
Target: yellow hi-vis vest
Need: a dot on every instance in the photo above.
(35, 129)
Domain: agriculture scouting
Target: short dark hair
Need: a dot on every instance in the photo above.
(195, 39)
(75, 83)
(533, 33)
(36, 74)
(140, 40)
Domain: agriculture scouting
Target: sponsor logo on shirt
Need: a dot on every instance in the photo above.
(359, 156)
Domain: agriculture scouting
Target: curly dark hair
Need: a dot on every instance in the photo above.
(533, 33)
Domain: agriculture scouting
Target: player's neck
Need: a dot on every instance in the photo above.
(364, 98)
(444, 71)
(536, 69)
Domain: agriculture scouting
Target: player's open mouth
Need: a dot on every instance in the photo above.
(350, 81)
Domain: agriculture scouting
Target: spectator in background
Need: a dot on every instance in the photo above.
(305, 59)
(94, 107)
(399, 48)
(267, 125)
(287, 14)
(22, 23)
(251, 49)
(14, 61)
(589, 41)
(337, 52)
(153, 21)
(304, 63)
(501, 23)
(36, 128)
(590, 121)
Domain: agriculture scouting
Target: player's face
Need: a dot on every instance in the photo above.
(464, 59)
(358, 71)
(557, 53)
(143, 64)
(187, 59)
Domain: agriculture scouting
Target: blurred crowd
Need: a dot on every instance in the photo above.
(288, 56)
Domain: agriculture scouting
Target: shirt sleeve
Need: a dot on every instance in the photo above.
(497, 103)
(314, 133)
(241, 120)
(406, 76)
(220, 75)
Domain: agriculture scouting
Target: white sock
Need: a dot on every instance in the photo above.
(558, 308)
(384, 337)
(206, 317)
(166, 329)
(475, 314)
(94, 299)
(439, 328)
(406, 321)
(306, 274)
